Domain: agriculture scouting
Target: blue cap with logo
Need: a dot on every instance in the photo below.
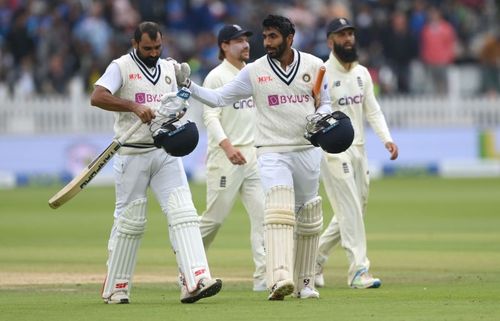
(338, 24)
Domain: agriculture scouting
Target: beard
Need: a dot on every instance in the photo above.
(148, 61)
(279, 51)
(345, 55)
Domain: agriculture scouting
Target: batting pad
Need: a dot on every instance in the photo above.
(186, 238)
(279, 222)
(123, 244)
(308, 229)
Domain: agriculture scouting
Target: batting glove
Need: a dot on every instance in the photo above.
(182, 73)
(174, 104)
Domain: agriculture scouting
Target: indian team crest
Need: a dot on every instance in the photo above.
(168, 80)
(306, 77)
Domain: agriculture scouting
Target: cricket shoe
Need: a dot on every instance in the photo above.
(120, 297)
(259, 285)
(281, 289)
(206, 288)
(308, 293)
(363, 280)
(319, 280)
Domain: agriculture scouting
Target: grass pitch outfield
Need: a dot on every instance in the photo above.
(435, 244)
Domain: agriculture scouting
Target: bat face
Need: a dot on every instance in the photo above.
(79, 182)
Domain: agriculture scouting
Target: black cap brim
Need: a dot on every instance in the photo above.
(242, 33)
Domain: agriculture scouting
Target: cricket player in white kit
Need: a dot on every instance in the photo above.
(132, 87)
(232, 160)
(345, 175)
(281, 84)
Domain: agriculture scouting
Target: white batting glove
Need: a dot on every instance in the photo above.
(174, 104)
(182, 73)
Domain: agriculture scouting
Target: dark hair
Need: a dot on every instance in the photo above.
(283, 24)
(222, 54)
(151, 28)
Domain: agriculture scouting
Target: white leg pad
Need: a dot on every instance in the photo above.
(308, 229)
(279, 223)
(123, 245)
(186, 238)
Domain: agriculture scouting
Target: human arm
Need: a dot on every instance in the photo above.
(103, 96)
(376, 119)
(212, 118)
(238, 88)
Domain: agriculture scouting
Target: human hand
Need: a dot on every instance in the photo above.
(393, 149)
(145, 113)
(233, 154)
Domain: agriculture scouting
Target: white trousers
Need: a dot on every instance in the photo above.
(346, 180)
(155, 169)
(298, 170)
(225, 182)
(135, 173)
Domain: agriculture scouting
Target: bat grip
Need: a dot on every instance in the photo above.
(123, 138)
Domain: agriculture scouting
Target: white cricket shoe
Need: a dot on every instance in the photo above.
(363, 280)
(120, 297)
(281, 289)
(308, 293)
(319, 280)
(206, 288)
(259, 285)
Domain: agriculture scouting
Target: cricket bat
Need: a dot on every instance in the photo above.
(88, 173)
(317, 84)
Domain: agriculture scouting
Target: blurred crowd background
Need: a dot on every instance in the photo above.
(408, 45)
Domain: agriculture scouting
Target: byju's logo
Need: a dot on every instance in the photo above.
(275, 100)
(142, 98)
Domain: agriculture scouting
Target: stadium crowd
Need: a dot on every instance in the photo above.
(408, 45)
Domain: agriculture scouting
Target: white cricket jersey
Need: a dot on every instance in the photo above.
(136, 82)
(283, 99)
(351, 92)
(237, 121)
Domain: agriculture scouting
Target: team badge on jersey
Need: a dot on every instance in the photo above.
(337, 83)
(168, 80)
(360, 82)
(306, 77)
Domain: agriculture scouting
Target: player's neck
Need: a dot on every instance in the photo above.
(286, 59)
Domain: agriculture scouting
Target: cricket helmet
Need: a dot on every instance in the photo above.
(332, 132)
(177, 139)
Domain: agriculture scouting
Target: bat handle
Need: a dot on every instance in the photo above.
(123, 138)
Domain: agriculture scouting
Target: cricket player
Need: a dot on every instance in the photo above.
(132, 88)
(281, 84)
(232, 161)
(345, 175)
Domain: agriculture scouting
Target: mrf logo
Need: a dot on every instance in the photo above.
(135, 76)
(264, 79)
(142, 98)
(275, 100)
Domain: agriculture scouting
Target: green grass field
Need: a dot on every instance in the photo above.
(435, 243)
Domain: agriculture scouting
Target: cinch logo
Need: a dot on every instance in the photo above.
(244, 103)
(275, 100)
(142, 98)
(264, 79)
(358, 99)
